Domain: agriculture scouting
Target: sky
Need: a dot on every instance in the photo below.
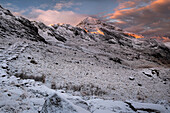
(146, 17)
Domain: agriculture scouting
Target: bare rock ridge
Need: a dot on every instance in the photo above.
(94, 67)
(46, 31)
(19, 27)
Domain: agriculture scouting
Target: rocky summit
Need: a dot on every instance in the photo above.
(94, 67)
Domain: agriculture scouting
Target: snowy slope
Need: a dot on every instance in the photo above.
(91, 68)
(28, 96)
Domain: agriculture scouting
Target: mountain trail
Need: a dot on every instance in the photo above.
(12, 52)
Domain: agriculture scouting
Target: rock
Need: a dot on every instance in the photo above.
(29, 57)
(53, 85)
(33, 61)
(131, 78)
(148, 75)
(56, 104)
(146, 107)
(155, 72)
(4, 66)
(9, 94)
(151, 73)
(112, 41)
(139, 84)
(116, 59)
(3, 75)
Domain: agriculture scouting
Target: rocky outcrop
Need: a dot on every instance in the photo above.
(17, 27)
(58, 104)
(153, 50)
(48, 33)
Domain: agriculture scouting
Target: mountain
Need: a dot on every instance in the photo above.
(144, 48)
(89, 68)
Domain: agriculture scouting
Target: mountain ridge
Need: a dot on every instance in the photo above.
(89, 29)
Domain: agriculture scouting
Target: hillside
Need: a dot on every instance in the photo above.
(91, 68)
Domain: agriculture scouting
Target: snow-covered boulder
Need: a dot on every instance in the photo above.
(58, 104)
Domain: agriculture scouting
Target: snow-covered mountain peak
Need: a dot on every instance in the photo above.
(90, 20)
(95, 26)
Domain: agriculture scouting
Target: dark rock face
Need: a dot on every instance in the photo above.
(117, 60)
(17, 27)
(56, 104)
(51, 32)
(5, 11)
(157, 51)
(118, 37)
(68, 31)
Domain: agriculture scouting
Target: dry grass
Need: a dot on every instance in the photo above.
(25, 76)
(84, 89)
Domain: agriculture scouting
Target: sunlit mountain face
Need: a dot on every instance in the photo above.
(97, 31)
(140, 18)
(164, 39)
(160, 38)
(134, 35)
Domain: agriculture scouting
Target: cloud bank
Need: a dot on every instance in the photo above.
(147, 17)
(53, 16)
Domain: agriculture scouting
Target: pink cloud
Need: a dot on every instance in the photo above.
(149, 17)
(61, 5)
(126, 4)
(53, 16)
